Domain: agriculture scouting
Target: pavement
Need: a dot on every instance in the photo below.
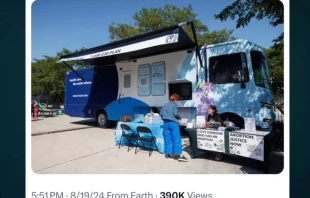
(93, 151)
(53, 124)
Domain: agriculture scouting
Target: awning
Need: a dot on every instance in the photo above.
(162, 41)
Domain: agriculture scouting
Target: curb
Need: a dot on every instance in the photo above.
(61, 130)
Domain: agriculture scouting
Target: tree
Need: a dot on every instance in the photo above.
(150, 19)
(48, 76)
(275, 61)
(245, 11)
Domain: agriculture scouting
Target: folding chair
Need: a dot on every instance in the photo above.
(150, 138)
(126, 133)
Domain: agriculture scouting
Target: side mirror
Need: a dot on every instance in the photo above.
(241, 78)
(243, 86)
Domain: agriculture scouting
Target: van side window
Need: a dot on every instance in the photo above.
(260, 69)
(158, 80)
(127, 81)
(231, 68)
(152, 79)
(144, 80)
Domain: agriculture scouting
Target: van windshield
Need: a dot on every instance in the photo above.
(231, 68)
(260, 69)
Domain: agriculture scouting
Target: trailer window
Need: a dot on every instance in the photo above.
(231, 68)
(260, 69)
(158, 80)
(144, 80)
(127, 81)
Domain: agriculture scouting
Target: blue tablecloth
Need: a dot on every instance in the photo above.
(156, 129)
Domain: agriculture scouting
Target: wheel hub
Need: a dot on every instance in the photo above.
(102, 119)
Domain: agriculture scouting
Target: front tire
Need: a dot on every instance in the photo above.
(237, 120)
(102, 120)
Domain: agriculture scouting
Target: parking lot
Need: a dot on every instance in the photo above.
(64, 145)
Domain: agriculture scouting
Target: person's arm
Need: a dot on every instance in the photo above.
(219, 119)
(147, 117)
(161, 113)
(176, 112)
(208, 118)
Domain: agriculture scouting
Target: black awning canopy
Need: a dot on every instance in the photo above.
(162, 41)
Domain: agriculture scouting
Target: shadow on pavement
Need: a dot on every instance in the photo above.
(36, 119)
(87, 122)
(92, 122)
(187, 149)
(248, 166)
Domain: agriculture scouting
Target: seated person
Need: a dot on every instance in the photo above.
(148, 117)
(215, 117)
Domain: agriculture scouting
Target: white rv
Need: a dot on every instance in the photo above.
(130, 76)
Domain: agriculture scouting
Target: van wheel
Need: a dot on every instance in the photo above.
(237, 120)
(102, 120)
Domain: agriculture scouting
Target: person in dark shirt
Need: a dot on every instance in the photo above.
(215, 117)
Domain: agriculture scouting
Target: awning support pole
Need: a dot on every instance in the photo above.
(73, 70)
(197, 48)
(207, 76)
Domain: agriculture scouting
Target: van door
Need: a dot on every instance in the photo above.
(126, 86)
(126, 80)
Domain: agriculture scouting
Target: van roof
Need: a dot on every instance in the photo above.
(242, 41)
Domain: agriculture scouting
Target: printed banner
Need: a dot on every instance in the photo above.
(158, 79)
(247, 145)
(168, 39)
(144, 78)
(211, 140)
(83, 85)
(204, 98)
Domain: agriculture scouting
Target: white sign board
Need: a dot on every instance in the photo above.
(201, 121)
(246, 145)
(211, 140)
(249, 125)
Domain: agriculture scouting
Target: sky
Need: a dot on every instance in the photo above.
(73, 24)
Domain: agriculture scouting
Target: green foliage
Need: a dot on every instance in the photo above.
(245, 11)
(48, 76)
(150, 19)
(275, 60)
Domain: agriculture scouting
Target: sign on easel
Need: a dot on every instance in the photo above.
(211, 140)
(200, 122)
(249, 125)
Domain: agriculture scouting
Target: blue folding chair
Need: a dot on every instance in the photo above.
(145, 135)
(126, 133)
